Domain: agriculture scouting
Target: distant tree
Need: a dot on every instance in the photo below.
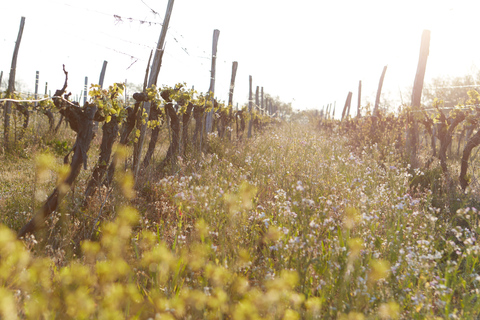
(280, 106)
(452, 90)
(20, 85)
(132, 88)
(390, 101)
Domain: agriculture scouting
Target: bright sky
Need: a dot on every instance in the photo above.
(310, 53)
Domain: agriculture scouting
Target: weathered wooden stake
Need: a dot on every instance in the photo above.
(102, 73)
(1, 76)
(100, 82)
(379, 91)
(421, 68)
(232, 82)
(250, 122)
(155, 70)
(262, 106)
(412, 127)
(209, 119)
(125, 94)
(359, 98)
(230, 94)
(11, 85)
(37, 77)
(139, 118)
(347, 105)
(85, 88)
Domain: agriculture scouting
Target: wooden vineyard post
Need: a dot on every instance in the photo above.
(230, 94)
(100, 83)
(85, 89)
(125, 94)
(1, 76)
(257, 105)
(140, 102)
(347, 105)
(154, 114)
(412, 126)
(379, 91)
(262, 105)
(11, 86)
(37, 76)
(359, 98)
(152, 80)
(250, 111)
(209, 119)
(232, 83)
(102, 73)
(47, 112)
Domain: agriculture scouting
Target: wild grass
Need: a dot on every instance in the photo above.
(294, 223)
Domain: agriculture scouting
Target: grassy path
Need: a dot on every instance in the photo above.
(291, 225)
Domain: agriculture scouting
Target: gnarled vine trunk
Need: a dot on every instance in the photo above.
(473, 142)
(81, 121)
(126, 130)
(172, 151)
(154, 115)
(198, 112)
(109, 135)
(185, 122)
(26, 116)
(445, 133)
(51, 120)
(240, 119)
